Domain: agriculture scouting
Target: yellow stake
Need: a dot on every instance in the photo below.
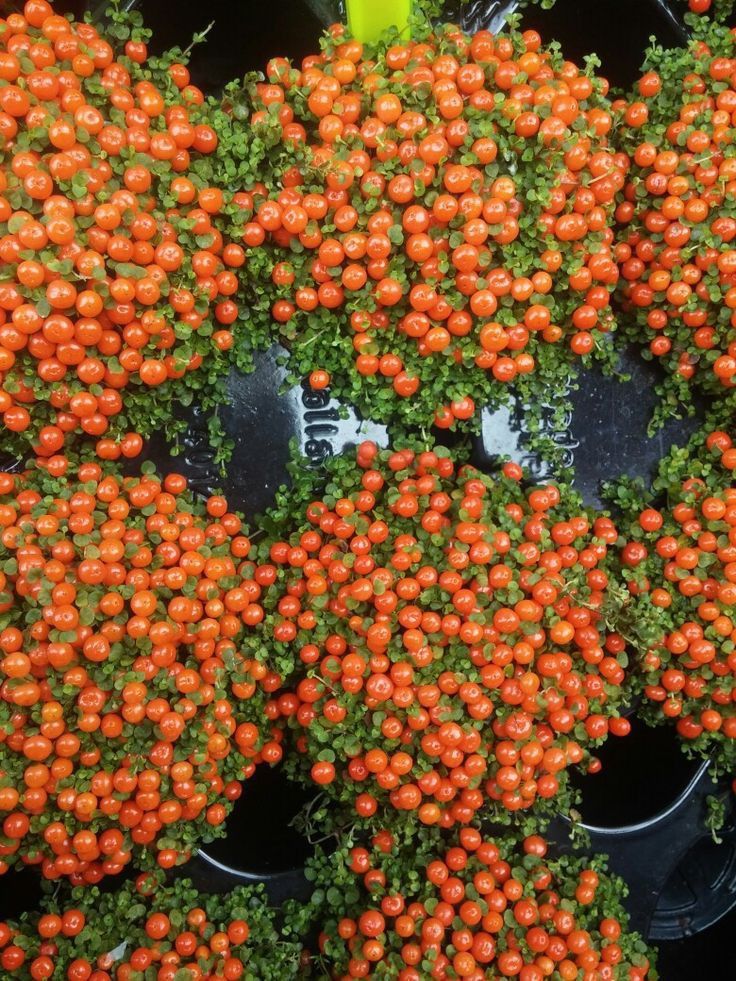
(367, 19)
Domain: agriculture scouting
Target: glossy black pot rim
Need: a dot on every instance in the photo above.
(245, 875)
(648, 824)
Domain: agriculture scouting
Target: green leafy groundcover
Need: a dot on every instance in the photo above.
(148, 929)
(410, 906)
(680, 565)
(79, 554)
(392, 904)
(122, 381)
(449, 640)
(386, 348)
(677, 216)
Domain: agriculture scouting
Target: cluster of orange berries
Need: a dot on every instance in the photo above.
(441, 208)
(475, 908)
(681, 564)
(441, 644)
(149, 929)
(128, 713)
(116, 280)
(676, 248)
(451, 652)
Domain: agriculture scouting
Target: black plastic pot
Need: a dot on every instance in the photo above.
(606, 432)
(700, 891)
(671, 895)
(623, 793)
(646, 810)
(262, 845)
(262, 421)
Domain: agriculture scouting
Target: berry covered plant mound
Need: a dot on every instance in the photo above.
(680, 561)
(473, 908)
(128, 714)
(116, 292)
(149, 929)
(430, 219)
(450, 634)
(676, 248)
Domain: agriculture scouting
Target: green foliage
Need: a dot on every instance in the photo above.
(503, 515)
(323, 337)
(400, 859)
(675, 287)
(114, 930)
(117, 666)
(677, 565)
